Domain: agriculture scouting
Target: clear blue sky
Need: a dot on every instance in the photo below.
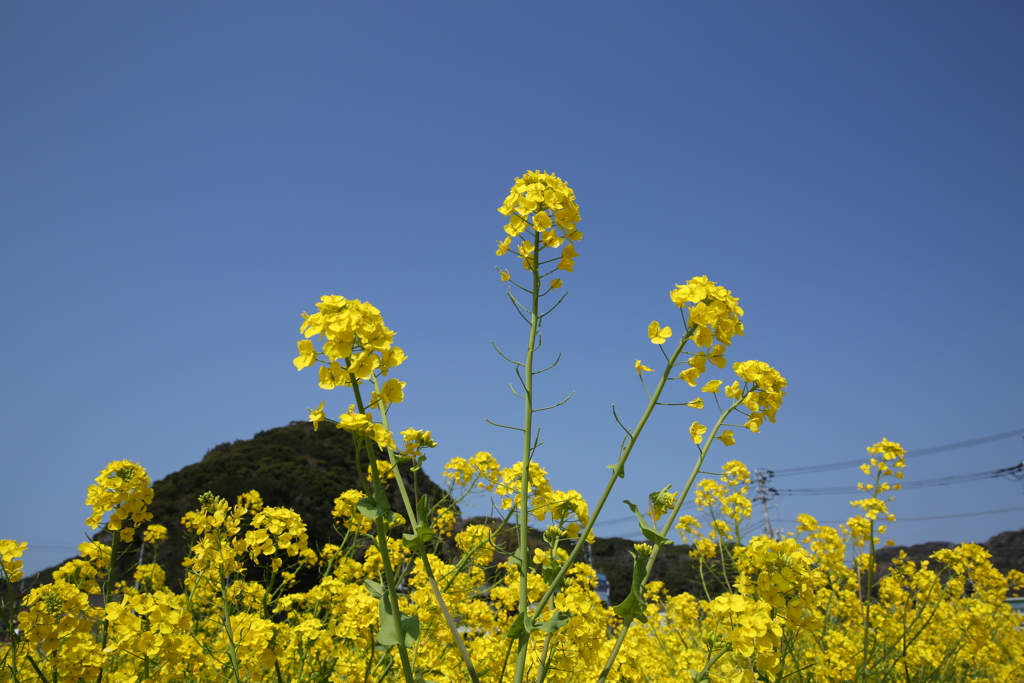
(178, 182)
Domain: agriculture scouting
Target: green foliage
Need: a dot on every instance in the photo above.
(293, 467)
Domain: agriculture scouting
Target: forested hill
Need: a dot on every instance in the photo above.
(305, 470)
(294, 467)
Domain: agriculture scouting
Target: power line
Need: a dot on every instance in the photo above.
(1015, 471)
(910, 454)
(922, 519)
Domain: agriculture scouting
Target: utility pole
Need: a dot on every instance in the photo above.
(763, 494)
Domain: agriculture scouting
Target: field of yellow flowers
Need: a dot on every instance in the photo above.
(414, 595)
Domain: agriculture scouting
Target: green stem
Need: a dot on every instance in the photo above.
(108, 586)
(414, 521)
(524, 485)
(459, 643)
(410, 509)
(545, 661)
(627, 622)
(228, 632)
(380, 525)
(618, 470)
(703, 676)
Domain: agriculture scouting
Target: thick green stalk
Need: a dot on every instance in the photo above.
(228, 632)
(385, 557)
(867, 590)
(459, 643)
(410, 511)
(108, 586)
(704, 676)
(524, 486)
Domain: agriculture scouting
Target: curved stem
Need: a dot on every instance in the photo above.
(665, 529)
(617, 471)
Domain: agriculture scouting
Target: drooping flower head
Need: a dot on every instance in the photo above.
(542, 213)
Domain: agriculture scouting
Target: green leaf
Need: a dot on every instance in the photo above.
(372, 508)
(516, 558)
(376, 589)
(422, 534)
(649, 532)
(557, 621)
(524, 624)
(422, 508)
(517, 628)
(388, 634)
(634, 607)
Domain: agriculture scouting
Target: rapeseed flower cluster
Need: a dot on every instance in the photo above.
(122, 487)
(422, 595)
(792, 611)
(10, 565)
(542, 214)
(796, 610)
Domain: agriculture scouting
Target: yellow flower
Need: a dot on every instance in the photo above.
(556, 283)
(154, 533)
(712, 386)
(696, 432)
(516, 225)
(332, 375)
(390, 358)
(415, 440)
(10, 567)
(364, 364)
(567, 261)
(657, 333)
(727, 438)
(353, 421)
(640, 368)
(124, 487)
(734, 390)
(690, 375)
(317, 416)
(713, 309)
(391, 392)
(307, 355)
(505, 276)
